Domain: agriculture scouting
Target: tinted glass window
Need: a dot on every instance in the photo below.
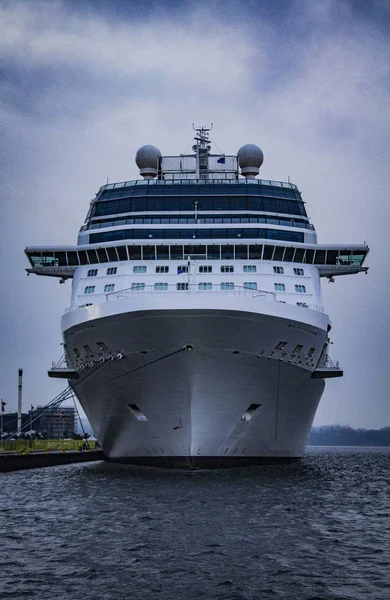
(227, 251)
(149, 253)
(163, 252)
(101, 252)
(309, 256)
(255, 252)
(299, 253)
(83, 257)
(112, 254)
(122, 252)
(72, 258)
(268, 252)
(134, 252)
(288, 255)
(177, 252)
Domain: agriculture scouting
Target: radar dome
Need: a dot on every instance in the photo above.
(148, 159)
(250, 158)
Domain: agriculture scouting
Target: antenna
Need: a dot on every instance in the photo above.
(202, 148)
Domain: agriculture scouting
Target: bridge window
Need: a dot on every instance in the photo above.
(110, 287)
(299, 254)
(227, 252)
(139, 269)
(182, 286)
(182, 269)
(227, 269)
(92, 273)
(137, 286)
(162, 269)
(227, 286)
(279, 287)
(298, 271)
(89, 289)
(255, 252)
(111, 270)
(160, 286)
(250, 268)
(303, 304)
(92, 256)
(278, 270)
(205, 269)
(301, 289)
(134, 252)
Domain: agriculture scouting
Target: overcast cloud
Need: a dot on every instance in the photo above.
(83, 85)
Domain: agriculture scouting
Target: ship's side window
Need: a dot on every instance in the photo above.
(160, 286)
(300, 288)
(139, 269)
(182, 286)
(205, 269)
(279, 287)
(281, 345)
(76, 352)
(303, 304)
(297, 349)
(162, 269)
(298, 271)
(92, 273)
(137, 286)
(110, 287)
(227, 269)
(89, 289)
(278, 270)
(250, 285)
(205, 286)
(111, 270)
(250, 269)
(182, 269)
(227, 286)
(311, 351)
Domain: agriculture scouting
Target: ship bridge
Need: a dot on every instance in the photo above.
(330, 260)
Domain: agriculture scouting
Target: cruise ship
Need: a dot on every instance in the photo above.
(196, 334)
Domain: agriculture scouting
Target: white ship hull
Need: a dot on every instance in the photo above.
(229, 398)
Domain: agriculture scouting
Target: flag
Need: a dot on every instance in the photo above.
(3, 406)
(179, 271)
(221, 160)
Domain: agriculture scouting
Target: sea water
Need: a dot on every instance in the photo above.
(318, 529)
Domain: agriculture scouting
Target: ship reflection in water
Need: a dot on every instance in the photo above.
(314, 529)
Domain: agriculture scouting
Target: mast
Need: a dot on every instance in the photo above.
(202, 149)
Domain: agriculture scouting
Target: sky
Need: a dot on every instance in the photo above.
(84, 84)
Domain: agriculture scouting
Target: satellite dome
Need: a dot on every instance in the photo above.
(250, 158)
(148, 159)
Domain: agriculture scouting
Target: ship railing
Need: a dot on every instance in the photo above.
(329, 364)
(192, 289)
(60, 364)
(189, 288)
(179, 178)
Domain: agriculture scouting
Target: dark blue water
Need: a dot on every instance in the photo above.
(319, 529)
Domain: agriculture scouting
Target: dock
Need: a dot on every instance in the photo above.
(14, 461)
